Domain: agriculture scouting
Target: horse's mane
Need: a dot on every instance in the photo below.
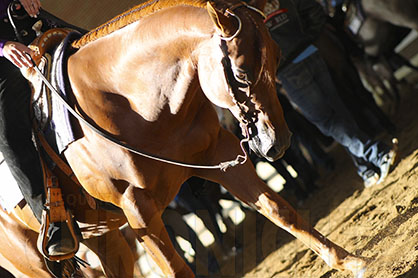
(132, 16)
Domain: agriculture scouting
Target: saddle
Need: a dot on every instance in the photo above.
(55, 210)
(53, 132)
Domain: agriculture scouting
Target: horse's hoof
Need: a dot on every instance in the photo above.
(360, 273)
(357, 265)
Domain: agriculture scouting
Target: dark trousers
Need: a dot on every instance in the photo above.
(309, 85)
(16, 131)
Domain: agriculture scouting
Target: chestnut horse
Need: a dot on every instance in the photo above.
(149, 78)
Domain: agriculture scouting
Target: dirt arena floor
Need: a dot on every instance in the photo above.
(379, 223)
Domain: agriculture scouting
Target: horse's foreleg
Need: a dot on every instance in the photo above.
(144, 217)
(283, 215)
(243, 182)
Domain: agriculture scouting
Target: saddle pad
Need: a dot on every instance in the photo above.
(59, 130)
(41, 99)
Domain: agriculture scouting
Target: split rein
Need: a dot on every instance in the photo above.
(223, 166)
(240, 159)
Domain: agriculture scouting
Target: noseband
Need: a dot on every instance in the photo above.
(248, 117)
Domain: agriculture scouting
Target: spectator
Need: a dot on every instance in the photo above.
(295, 25)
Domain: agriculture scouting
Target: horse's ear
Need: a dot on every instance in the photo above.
(259, 4)
(221, 21)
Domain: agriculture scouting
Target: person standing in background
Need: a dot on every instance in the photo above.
(295, 25)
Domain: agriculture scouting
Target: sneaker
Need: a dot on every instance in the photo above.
(60, 241)
(387, 161)
(370, 178)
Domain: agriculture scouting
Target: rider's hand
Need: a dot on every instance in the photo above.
(31, 6)
(15, 52)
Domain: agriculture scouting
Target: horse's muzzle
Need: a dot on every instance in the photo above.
(270, 148)
(275, 152)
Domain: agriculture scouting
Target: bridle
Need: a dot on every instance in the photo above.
(248, 117)
(230, 11)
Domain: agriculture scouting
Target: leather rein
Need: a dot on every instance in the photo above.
(240, 159)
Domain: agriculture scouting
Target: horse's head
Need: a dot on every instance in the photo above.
(237, 72)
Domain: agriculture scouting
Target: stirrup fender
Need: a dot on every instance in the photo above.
(55, 212)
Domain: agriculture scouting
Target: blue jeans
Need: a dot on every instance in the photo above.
(309, 86)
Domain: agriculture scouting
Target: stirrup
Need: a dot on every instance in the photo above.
(55, 212)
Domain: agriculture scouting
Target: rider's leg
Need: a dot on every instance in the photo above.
(16, 136)
(19, 151)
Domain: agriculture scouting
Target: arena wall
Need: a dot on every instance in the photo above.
(87, 13)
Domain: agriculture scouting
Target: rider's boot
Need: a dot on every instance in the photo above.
(28, 175)
(60, 240)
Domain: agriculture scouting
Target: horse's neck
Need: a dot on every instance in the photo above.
(153, 59)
